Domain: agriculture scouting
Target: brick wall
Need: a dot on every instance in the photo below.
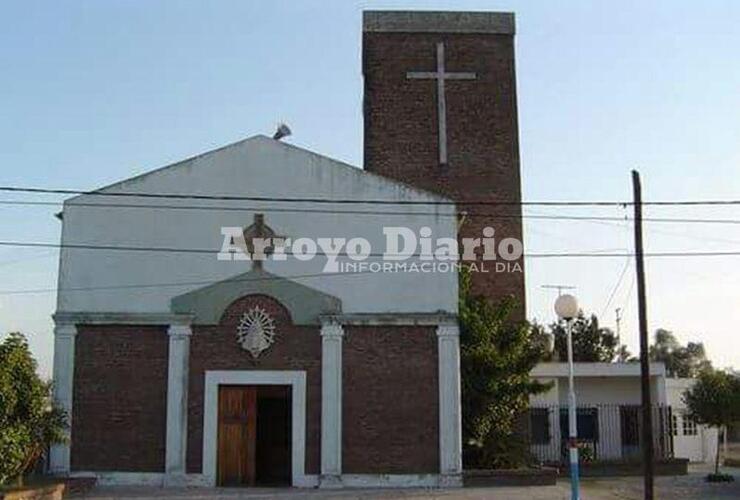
(119, 399)
(216, 348)
(390, 400)
(390, 395)
(401, 138)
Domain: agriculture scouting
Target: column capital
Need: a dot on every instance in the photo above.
(331, 327)
(179, 331)
(64, 329)
(448, 330)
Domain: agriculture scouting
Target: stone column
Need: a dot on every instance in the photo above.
(331, 403)
(64, 365)
(177, 404)
(450, 425)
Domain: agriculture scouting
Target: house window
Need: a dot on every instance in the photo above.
(674, 425)
(689, 426)
(587, 421)
(539, 423)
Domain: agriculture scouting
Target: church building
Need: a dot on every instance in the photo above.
(182, 362)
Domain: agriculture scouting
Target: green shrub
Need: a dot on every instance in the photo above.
(496, 357)
(29, 422)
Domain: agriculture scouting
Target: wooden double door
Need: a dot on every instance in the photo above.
(254, 435)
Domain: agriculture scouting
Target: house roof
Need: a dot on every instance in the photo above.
(596, 370)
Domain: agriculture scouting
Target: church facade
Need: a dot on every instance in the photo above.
(183, 362)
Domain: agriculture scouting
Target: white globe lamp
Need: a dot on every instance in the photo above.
(566, 307)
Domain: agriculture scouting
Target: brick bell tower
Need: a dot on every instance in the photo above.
(440, 113)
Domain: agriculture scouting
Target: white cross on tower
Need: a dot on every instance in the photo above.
(440, 75)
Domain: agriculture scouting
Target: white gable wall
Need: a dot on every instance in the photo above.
(117, 281)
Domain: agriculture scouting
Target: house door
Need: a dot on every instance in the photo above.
(253, 435)
(237, 435)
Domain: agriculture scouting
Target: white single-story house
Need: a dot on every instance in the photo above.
(696, 442)
(608, 397)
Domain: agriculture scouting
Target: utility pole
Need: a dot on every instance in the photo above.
(618, 311)
(647, 417)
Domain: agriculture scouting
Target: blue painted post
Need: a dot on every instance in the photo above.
(572, 421)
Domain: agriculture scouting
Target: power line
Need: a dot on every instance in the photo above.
(27, 258)
(368, 212)
(332, 211)
(20, 189)
(647, 254)
(330, 274)
(616, 287)
(319, 251)
(197, 196)
(310, 275)
(626, 303)
(614, 222)
(177, 284)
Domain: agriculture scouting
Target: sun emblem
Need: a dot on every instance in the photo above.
(256, 331)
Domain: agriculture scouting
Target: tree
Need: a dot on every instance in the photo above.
(496, 359)
(680, 361)
(29, 422)
(714, 401)
(624, 355)
(591, 342)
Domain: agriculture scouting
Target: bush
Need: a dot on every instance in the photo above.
(496, 357)
(720, 478)
(29, 421)
(715, 401)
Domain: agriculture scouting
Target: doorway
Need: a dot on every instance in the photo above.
(254, 435)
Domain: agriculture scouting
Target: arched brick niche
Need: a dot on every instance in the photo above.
(215, 347)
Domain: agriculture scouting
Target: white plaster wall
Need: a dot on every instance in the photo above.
(549, 397)
(699, 448)
(258, 166)
(675, 387)
(603, 390)
(710, 441)
(613, 391)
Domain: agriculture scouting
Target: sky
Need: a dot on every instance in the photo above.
(95, 92)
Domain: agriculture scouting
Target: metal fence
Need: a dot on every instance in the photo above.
(606, 433)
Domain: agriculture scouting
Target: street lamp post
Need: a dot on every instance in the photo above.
(566, 307)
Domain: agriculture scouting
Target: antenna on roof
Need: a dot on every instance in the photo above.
(282, 131)
(559, 288)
